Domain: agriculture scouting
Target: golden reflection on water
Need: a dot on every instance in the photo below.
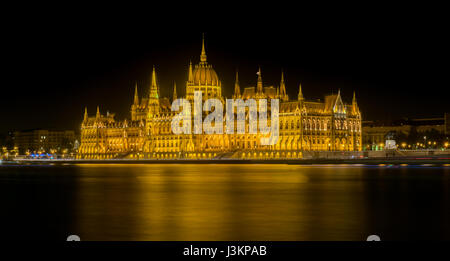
(218, 202)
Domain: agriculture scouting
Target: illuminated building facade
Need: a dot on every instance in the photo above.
(304, 125)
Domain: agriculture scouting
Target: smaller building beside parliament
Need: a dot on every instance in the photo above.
(304, 125)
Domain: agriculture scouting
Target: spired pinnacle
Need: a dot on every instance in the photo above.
(237, 89)
(203, 54)
(355, 104)
(191, 76)
(300, 93)
(174, 90)
(136, 96)
(85, 113)
(153, 77)
(259, 86)
(283, 93)
(154, 90)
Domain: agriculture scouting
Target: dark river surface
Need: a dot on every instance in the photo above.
(224, 202)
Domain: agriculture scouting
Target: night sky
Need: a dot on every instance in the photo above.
(56, 65)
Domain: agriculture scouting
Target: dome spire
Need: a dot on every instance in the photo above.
(203, 54)
(190, 77)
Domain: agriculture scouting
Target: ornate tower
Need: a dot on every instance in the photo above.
(203, 78)
(153, 99)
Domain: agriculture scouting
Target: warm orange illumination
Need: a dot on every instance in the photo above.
(330, 125)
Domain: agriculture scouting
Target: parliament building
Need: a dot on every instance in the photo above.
(304, 125)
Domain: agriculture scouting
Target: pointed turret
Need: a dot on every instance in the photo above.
(85, 114)
(283, 94)
(355, 104)
(136, 96)
(98, 112)
(174, 97)
(153, 101)
(203, 54)
(191, 75)
(237, 89)
(300, 93)
(259, 85)
(154, 90)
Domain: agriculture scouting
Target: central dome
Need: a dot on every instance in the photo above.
(203, 78)
(204, 74)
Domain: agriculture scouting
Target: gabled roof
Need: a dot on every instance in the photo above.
(330, 101)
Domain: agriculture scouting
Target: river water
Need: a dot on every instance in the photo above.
(224, 202)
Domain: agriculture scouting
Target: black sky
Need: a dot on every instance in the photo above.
(397, 62)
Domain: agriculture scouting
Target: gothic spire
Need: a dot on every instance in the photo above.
(203, 54)
(300, 93)
(174, 90)
(283, 87)
(85, 114)
(237, 89)
(154, 90)
(98, 112)
(355, 104)
(191, 75)
(136, 97)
